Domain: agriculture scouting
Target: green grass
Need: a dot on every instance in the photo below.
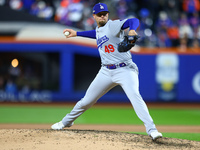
(176, 116)
(28, 114)
(97, 115)
(128, 116)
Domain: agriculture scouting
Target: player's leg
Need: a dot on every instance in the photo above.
(100, 85)
(129, 81)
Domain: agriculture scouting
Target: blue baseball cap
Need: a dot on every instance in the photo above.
(99, 8)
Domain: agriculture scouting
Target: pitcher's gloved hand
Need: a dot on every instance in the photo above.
(127, 43)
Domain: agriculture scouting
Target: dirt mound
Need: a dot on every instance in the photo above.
(73, 139)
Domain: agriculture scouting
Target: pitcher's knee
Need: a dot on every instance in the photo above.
(85, 104)
(135, 96)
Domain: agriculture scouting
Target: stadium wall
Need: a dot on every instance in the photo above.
(166, 75)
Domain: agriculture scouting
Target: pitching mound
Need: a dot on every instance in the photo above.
(72, 139)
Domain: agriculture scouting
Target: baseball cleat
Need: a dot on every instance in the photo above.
(155, 135)
(58, 126)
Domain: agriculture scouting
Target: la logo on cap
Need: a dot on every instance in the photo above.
(101, 7)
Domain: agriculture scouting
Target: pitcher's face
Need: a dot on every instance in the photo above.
(101, 18)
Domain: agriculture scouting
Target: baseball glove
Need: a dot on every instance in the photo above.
(127, 43)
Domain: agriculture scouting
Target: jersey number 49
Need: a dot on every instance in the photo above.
(109, 48)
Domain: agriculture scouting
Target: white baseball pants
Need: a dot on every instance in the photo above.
(106, 79)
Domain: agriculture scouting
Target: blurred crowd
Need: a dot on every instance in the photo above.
(163, 23)
(23, 78)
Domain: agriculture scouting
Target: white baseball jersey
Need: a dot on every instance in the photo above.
(108, 37)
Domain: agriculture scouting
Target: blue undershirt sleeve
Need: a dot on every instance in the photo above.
(132, 24)
(89, 34)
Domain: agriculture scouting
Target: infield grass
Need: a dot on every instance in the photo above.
(97, 115)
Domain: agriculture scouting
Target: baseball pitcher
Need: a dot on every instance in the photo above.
(117, 67)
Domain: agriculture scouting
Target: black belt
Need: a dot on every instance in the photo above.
(113, 66)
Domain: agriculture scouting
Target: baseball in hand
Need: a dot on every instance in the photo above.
(66, 33)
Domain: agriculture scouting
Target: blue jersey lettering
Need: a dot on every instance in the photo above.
(101, 41)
